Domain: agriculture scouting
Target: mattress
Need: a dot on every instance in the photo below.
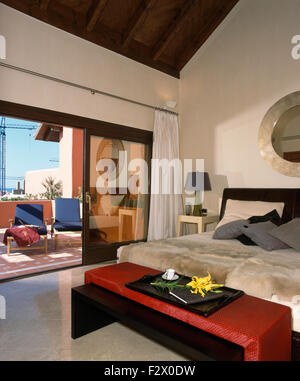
(273, 276)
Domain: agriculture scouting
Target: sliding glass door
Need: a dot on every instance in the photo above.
(115, 209)
(116, 194)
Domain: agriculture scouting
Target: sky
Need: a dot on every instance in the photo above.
(23, 153)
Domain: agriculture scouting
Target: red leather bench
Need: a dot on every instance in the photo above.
(249, 328)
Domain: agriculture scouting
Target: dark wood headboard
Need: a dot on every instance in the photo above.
(291, 198)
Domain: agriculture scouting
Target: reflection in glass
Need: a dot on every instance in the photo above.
(118, 213)
(286, 135)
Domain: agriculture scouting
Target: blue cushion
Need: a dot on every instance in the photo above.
(29, 214)
(68, 226)
(67, 209)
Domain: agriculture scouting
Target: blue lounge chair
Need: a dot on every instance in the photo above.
(67, 217)
(29, 214)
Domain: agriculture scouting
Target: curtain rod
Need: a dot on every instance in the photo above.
(92, 91)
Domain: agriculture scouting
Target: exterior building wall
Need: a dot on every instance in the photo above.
(77, 161)
(70, 170)
(34, 179)
(65, 161)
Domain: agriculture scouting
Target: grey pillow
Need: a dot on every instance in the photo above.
(260, 234)
(289, 233)
(231, 230)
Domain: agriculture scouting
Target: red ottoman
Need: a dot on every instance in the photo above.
(262, 328)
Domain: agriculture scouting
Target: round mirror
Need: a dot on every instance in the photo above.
(286, 135)
(279, 135)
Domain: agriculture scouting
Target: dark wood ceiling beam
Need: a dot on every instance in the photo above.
(81, 13)
(96, 15)
(74, 20)
(104, 37)
(141, 53)
(177, 24)
(42, 8)
(137, 21)
(44, 5)
(207, 28)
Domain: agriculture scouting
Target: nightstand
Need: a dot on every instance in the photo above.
(201, 221)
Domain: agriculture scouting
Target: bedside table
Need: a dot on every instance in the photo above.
(201, 221)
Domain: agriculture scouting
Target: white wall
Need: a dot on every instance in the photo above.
(66, 161)
(34, 179)
(39, 47)
(228, 86)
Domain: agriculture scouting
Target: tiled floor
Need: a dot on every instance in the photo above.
(20, 263)
(38, 325)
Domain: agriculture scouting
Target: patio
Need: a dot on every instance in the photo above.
(19, 263)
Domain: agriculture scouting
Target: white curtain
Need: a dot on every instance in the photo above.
(166, 199)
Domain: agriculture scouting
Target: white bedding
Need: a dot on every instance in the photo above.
(286, 260)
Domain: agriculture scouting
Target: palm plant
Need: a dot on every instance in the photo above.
(53, 188)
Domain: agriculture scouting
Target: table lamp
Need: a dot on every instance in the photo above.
(198, 182)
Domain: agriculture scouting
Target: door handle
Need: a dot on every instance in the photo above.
(88, 200)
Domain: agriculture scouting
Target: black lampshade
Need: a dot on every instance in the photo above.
(197, 181)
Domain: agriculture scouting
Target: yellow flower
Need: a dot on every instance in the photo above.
(203, 284)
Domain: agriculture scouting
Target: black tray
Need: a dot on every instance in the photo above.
(203, 308)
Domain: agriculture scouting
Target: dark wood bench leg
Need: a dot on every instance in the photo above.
(86, 316)
(295, 346)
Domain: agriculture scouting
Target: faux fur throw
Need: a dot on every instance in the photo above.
(251, 269)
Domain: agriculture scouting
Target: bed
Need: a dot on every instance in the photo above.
(273, 276)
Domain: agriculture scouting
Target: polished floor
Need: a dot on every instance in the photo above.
(37, 325)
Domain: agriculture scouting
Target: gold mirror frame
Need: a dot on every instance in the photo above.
(266, 131)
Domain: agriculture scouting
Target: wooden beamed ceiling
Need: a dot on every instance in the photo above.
(163, 34)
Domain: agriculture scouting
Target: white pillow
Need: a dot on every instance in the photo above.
(242, 210)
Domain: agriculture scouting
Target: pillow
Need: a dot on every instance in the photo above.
(242, 210)
(272, 216)
(259, 233)
(230, 231)
(246, 240)
(289, 233)
(233, 229)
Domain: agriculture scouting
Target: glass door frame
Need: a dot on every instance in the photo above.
(99, 253)
(90, 127)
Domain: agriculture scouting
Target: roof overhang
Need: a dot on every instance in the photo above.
(48, 132)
